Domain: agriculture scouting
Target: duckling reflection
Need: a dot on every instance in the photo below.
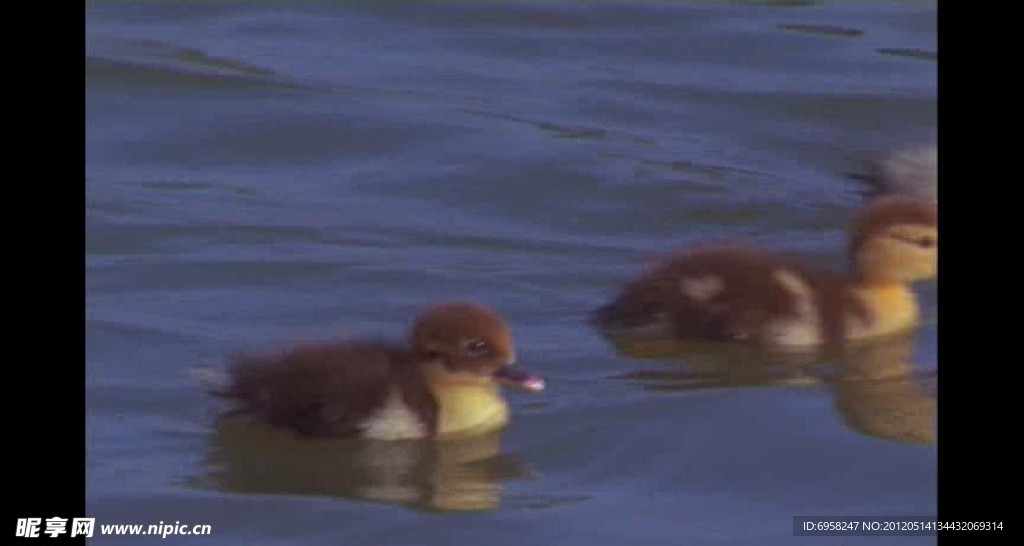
(454, 474)
(878, 391)
(715, 365)
(881, 394)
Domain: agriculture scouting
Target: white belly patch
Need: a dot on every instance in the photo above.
(394, 421)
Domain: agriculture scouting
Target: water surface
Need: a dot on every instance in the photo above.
(264, 172)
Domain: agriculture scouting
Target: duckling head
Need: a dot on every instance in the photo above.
(469, 343)
(895, 240)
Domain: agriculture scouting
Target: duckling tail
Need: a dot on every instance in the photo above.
(612, 317)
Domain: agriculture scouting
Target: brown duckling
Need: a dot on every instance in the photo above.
(743, 294)
(445, 383)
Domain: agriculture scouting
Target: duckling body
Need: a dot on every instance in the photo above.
(446, 383)
(734, 293)
(744, 294)
(339, 389)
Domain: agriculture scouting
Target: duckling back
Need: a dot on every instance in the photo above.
(335, 389)
(732, 294)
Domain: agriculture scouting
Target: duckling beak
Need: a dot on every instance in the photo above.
(515, 377)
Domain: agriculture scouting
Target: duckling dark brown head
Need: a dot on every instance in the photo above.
(895, 239)
(469, 343)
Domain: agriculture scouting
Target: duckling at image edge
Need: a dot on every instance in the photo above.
(743, 294)
(446, 383)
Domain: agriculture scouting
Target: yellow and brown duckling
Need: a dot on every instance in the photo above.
(743, 294)
(445, 383)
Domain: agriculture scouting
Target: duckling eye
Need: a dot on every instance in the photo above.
(476, 347)
(925, 241)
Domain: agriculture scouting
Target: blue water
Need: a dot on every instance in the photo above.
(259, 173)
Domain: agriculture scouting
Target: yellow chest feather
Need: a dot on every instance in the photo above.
(891, 308)
(469, 408)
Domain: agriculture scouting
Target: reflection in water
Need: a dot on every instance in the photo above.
(432, 475)
(880, 394)
(877, 390)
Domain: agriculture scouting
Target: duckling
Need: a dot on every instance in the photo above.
(912, 171)
(446, 383)
(744, 294)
